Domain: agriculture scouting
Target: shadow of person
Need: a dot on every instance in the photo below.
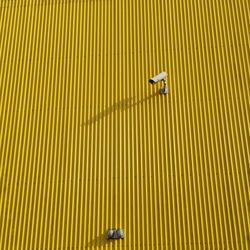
(122, 105)
(99, 241)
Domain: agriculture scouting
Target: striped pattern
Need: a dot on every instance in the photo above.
(87, 144)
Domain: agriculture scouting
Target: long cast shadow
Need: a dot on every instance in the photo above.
(120, 105)
(98, 241)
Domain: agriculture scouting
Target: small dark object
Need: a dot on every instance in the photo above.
(115, 234)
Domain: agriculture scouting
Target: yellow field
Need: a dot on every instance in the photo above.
(86, 144)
